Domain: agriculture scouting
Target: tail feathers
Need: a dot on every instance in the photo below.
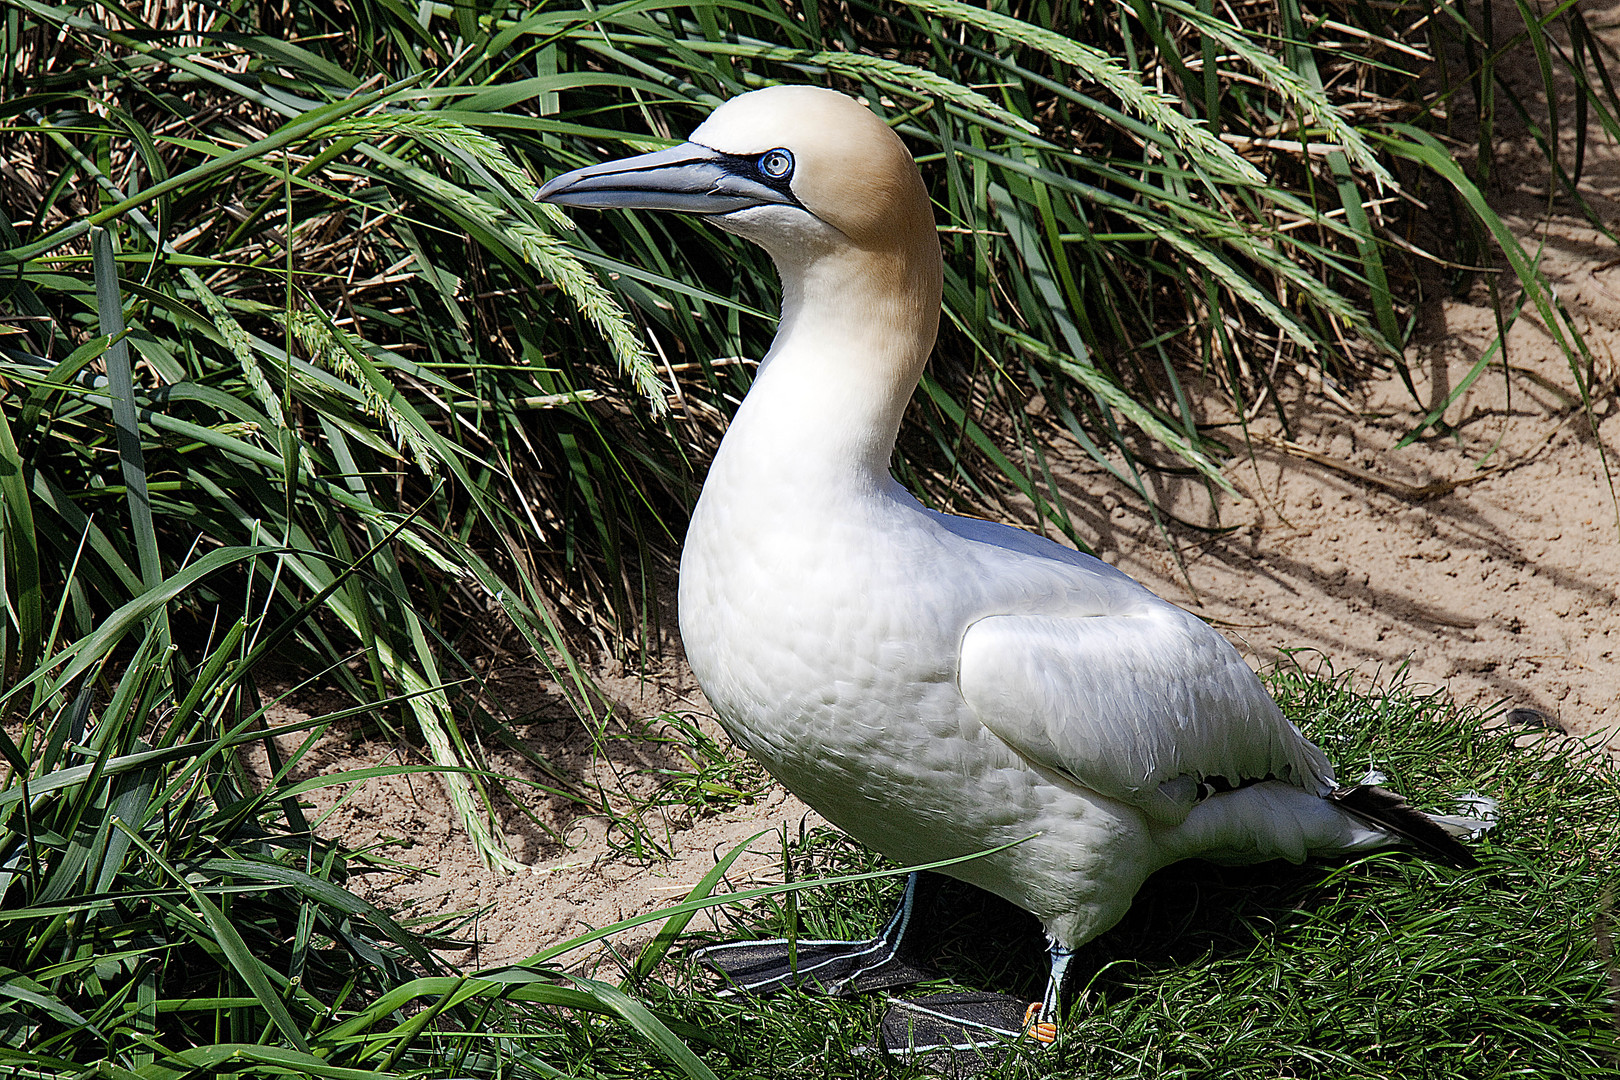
(1436, 837)
(1480, 818)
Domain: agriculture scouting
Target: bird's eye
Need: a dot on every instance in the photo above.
(776, 163)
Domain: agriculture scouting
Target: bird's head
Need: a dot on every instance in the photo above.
(786, 167)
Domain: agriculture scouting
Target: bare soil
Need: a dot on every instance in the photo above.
(1484, 561)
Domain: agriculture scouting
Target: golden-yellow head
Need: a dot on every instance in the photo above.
(772, 165)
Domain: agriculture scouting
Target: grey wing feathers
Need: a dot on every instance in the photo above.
(1140, 707)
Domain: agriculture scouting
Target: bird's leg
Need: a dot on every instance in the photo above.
(1041, 1020)
(835, 968)
(900, 921)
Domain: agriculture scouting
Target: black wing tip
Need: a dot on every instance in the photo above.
(1386, 810)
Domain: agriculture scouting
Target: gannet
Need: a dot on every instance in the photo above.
(937, 685)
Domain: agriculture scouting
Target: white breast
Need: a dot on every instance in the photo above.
(825, 627)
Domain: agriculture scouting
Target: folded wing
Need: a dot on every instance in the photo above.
(1153, 708)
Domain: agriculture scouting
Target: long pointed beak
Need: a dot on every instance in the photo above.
(689, 177)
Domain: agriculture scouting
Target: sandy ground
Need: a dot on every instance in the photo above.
(1485, 561)
(584, 868)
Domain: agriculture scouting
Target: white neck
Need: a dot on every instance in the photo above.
(857, 328)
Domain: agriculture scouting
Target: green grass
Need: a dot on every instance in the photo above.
(169, 914)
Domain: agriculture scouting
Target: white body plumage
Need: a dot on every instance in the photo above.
(939, 685)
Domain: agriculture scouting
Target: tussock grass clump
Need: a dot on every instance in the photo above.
(167, 913)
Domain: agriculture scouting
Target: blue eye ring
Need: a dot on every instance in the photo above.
(776, 164)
